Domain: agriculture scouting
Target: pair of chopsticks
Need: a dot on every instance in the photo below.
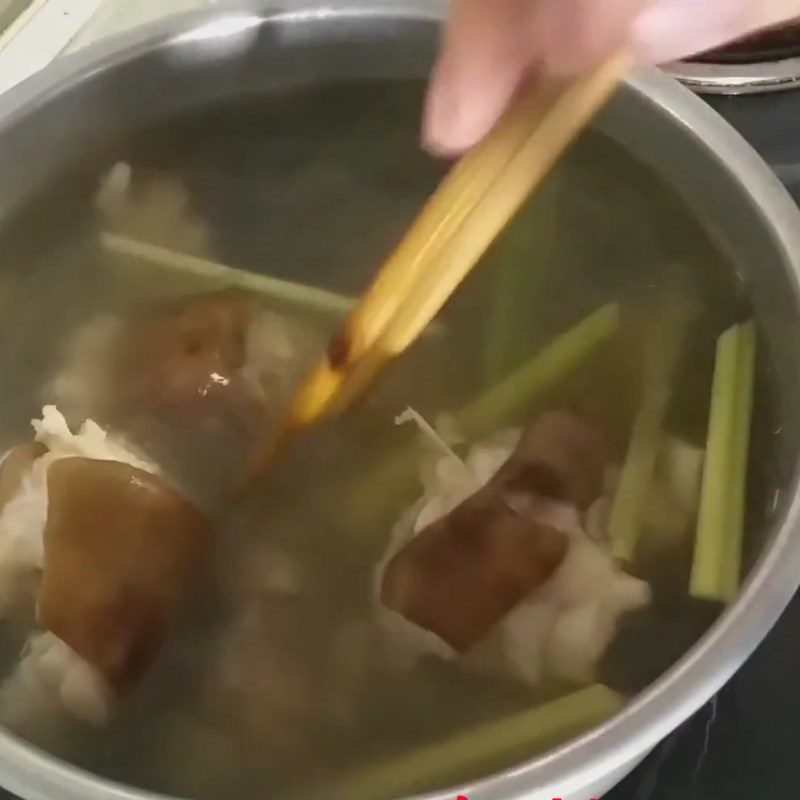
(458, 224)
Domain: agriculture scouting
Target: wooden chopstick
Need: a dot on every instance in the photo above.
(458, 224)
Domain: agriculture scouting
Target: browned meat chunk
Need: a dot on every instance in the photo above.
(460, 576)
(121, 548)
(562, 457)
(186, 361)
(464, 573)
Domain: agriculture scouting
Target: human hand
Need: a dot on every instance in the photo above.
(492, 45)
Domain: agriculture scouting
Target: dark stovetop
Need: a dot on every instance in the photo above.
(741, 746)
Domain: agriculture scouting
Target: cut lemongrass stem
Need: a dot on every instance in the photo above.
(661, 354)
(504, 403)
(740, 453)
(718, 555)
(485, 747)
(713, 525)
(287, 295)
(635, 480)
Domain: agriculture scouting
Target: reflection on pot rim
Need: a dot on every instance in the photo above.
(737, 79)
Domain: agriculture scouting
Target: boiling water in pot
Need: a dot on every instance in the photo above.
(282, 679)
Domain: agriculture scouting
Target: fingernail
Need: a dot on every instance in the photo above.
(462, 112)
(441, 115)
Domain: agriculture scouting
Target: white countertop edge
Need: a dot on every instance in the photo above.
(39, 34)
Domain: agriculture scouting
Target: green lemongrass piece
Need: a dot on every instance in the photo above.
(630, 499)
(502, 404)
(714, 517)
(484, 748)
(739, 455)
(287, 294)
(628, 509)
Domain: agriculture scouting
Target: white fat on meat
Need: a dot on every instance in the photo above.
(563, 628)
(90, 441)
(23, 518)
(50, 679)
(50, 675)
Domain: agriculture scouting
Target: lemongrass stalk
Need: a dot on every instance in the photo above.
(638, 469)
(516, 736)
(502, 404)
(635, 480)
(713, 526)
(740, 451)
(212, 275)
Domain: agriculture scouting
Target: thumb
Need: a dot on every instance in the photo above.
(491, 45)
(485, 56)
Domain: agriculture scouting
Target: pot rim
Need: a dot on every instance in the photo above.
(687, 685)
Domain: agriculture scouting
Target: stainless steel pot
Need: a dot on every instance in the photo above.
(79, 102)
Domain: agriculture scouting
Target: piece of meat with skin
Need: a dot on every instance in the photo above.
(121, 548)
(185, 361)
(465, 572)
(560, 457)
